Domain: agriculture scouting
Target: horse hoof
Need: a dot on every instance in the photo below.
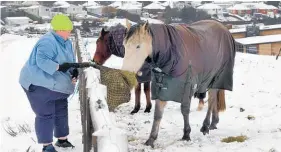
(147, 110)
(187, 138)
(150, 142)
(204, 130)
(213, 127)
(136, 110)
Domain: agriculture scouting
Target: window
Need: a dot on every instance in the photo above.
(252, 49)
(240, 48)
(47, 9)
(73, 9)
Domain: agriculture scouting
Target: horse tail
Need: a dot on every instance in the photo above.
(221, 101)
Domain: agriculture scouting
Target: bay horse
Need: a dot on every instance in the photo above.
(185, 59)
(111, 42)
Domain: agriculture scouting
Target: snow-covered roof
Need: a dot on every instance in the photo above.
(91, 3)
(154, 5)
(85, 16)
(115, 21)
(264, 27)
(128, 6)
(238, 7)
(134, 2)
(264, 6)
(209, 6)
(116, 4)
(1, 6)
(93, 6)
(151, 20)
(260, 39)
(61, 4)
(30, 3)
(17, 18)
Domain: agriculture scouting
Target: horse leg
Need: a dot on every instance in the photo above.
(158, 113)
(147, 94)
(206, 123)
(185, 109)
(137, 98)
(219, 105)
(201, 97)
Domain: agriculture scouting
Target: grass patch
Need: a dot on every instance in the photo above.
(230, 139)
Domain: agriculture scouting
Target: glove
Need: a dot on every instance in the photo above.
(75, 73)
(65, 66)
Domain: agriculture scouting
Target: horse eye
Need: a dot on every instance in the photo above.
(138, 46)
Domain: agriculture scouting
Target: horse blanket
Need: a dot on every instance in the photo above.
(116, 37)
(192, 57)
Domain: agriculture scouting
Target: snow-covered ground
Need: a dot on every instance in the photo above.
(257, 89)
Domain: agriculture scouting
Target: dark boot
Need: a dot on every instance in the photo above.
(49, 148)
(64, 143)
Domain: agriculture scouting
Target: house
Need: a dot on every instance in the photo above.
(15, 21)
(66, 8)
(179, 5)
(90, 3)
(117, 4)
(224, 4)
(133, 8)
(95, 9)
(37, 10)
(154, 7)
(239, 9)
(264, 31)
(262, 45)
(211, 8)
(11, 3)
(171, 4)
(29, 3)
(261, 7)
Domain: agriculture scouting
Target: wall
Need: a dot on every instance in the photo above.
(275, 47)
(264, 49)
(270, 32)
(238, 35)
(73, 9)
(44, 11)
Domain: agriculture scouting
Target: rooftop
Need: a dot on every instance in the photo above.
(260, 39)
(267, 27)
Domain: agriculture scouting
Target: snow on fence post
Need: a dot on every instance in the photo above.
(87, 126)
(109, 137)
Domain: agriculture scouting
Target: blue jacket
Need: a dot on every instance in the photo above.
(41, 67)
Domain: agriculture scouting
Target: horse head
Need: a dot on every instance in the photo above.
(138, 46)
(102, 49)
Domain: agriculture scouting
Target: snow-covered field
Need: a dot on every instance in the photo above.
(257, 89)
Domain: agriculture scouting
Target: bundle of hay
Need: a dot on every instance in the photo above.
(119, 84)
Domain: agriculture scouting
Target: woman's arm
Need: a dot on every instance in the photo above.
(45, 54)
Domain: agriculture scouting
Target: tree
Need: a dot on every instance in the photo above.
(204, 2)
(170, 13)
(190, 14)
(128, 15)
(105, 3)
(274, 3)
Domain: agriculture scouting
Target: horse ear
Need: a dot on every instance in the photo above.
(145, 26)
(102, 33)
(128, 24)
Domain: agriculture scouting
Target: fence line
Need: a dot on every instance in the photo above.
(98, 124)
